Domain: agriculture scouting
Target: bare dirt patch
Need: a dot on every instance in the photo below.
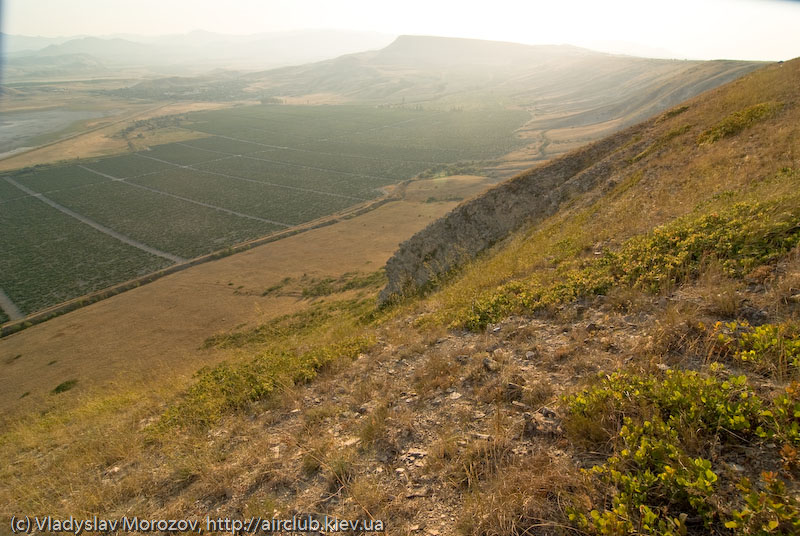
(452, 188)
(314, 98)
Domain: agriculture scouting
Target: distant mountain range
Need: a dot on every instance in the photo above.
(180, 54)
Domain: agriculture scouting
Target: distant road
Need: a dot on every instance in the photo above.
(9, 308)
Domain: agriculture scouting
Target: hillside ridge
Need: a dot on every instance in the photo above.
(478, 224)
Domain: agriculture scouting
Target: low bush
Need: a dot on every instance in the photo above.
(232, 386)
(661, 433)
(740, 238)
(738, 121)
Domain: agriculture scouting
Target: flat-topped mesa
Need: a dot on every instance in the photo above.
(476, 225)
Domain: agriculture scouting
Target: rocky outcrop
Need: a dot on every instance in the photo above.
(476, 225)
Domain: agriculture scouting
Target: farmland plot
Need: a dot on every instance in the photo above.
(290, 207)
(49, 257)
(260, 169)
(431, 136)
(127, 166)
(9, 192)
(312, 181)
(224, 145)
(57, 178)
(160, 221)
(181, 154)
(249, 129)
(391, 169)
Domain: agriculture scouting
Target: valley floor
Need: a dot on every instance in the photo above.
(138, 336)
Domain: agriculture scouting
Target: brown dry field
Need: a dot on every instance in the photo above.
(449, 188)
(542, 145)
(68, 94)
(101, 143)
(312, 98)
(156, 331)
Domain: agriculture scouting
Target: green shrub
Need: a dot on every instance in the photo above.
(781, 421)
(740, 238)
(348, 281)
(669, 114)
(64, 386)
(696, 406)
(770, 349)
(770, 510)
(660, 433)
(738, 121)
(298, 324)
(662, 141)
(228, 387)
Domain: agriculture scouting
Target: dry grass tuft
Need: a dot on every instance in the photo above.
(529, 497)
(375, 427)
(437, 373)
(677, 331)
(480, 459)
(720, 294)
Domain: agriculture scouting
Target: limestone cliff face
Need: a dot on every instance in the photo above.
(476, 225)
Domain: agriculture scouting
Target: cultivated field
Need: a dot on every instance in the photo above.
(72, 229)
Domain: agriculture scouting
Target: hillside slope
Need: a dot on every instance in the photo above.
(578, 85)
(626, 363)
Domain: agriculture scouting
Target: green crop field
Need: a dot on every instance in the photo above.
(49, 257)
(9, 193)
(290, 207)
(391, 169)
(168, 224)
(225, 145)
(58, 178)
(315, 181)
(127, 166)
(181, 154)
(259, 170)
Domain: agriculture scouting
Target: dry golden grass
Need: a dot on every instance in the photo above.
(442, 189)
(529, 497)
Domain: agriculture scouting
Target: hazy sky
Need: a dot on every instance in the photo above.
(740, 29)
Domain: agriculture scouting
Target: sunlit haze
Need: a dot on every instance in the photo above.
(736, 29)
